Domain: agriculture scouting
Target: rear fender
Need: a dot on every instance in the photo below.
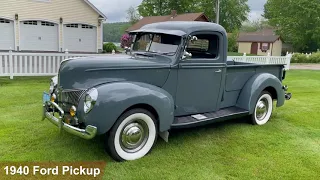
(115, 98)
(253, 88)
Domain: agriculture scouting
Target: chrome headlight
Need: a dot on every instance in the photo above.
(53, 84)
(90, 99)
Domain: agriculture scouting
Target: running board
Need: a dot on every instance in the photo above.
(205, 118)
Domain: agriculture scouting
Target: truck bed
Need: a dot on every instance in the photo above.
(238, 73)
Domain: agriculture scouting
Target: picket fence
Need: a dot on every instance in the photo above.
(47, 64)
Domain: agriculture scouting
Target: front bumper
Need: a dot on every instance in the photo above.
(88, 133)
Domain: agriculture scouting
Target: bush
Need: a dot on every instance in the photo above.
(125, 41)
(303, 58)
(108, 47)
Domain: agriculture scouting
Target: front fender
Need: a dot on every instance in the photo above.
(256, 84)
(115, 98)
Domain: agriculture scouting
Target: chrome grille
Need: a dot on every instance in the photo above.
(71, 97)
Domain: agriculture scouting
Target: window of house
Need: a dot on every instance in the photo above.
(84, 26)
(4, 21)
(72, 25)
(265, 47)
(206, 47)
(30, 22)
(44, 23)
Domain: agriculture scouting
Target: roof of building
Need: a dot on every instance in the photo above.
(96, 9)
(172, 17)
(265, 35)
(183, 26)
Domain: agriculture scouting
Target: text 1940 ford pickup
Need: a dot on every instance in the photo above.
(176, 76)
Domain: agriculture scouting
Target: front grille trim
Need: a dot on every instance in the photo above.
(68, 98)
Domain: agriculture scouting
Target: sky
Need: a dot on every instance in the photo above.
(115, 10)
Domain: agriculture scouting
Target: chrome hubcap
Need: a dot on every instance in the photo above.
(134, 136)
(262, 109)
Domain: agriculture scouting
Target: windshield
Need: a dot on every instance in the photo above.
(156, 43)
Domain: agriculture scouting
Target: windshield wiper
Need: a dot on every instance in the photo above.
(144, 54)
(168, 53)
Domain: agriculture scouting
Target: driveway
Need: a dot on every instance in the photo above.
(305, 66)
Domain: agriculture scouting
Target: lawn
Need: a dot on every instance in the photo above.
(239, 54)
(288, 147)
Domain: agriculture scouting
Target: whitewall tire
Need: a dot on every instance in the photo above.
(263, 109)
(132, 136)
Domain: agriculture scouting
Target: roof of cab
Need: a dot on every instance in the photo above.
(185, 26)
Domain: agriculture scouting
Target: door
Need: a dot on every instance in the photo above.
(6, 34)
(254, 48)
(199, 77)
(80, 38)
(39, 36)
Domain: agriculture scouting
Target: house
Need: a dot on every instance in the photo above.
(260, 43)
(172, 17)
(51, 26)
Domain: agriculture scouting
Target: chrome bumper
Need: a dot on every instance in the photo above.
(88, 133)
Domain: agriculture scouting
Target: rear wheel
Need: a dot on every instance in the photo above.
(263, 109)
(132, 136)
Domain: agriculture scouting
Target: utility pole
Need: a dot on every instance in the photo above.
(217, 11)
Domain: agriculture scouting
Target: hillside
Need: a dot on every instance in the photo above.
(112, 32)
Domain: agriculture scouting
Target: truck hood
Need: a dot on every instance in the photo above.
(87, 72)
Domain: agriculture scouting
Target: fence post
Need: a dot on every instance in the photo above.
(244, 57)
(288, 61)
(268, 58)
(10, 64)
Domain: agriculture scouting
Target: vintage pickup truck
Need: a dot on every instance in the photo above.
(176, 76)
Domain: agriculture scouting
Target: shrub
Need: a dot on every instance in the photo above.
(108, 47)
(303, 58)
(125, 41)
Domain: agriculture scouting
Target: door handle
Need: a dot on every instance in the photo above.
(218, 71)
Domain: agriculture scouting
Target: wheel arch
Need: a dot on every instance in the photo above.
(117, 98)
(147, 107)
(255, 85)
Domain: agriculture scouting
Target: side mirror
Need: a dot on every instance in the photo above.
(193, 39)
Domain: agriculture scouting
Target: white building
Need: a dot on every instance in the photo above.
(51, 25)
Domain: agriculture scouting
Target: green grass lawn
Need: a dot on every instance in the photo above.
(239, 54)
(288, 147)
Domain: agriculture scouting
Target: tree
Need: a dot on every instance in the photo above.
(298, 22)
(255, 25)
(132, 15)
(232, 12)
(232, 42)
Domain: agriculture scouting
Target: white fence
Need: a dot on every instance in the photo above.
(263, 59)
(33, 64)
(47, 64)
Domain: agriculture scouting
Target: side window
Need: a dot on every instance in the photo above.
(205, 47)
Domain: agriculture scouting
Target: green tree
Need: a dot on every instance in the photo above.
(132, 15)
(232, 12)
(255, 25)
(112, 32)
(298, 22)
(232, 42)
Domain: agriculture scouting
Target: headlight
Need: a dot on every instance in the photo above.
(53, 84)
(90, 99)
(51, 87)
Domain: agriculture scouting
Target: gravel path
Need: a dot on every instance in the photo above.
(305, 66)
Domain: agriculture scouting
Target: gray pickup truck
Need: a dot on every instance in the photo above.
(176, 76)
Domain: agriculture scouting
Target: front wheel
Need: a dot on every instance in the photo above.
(263, 109)
(132, 136)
